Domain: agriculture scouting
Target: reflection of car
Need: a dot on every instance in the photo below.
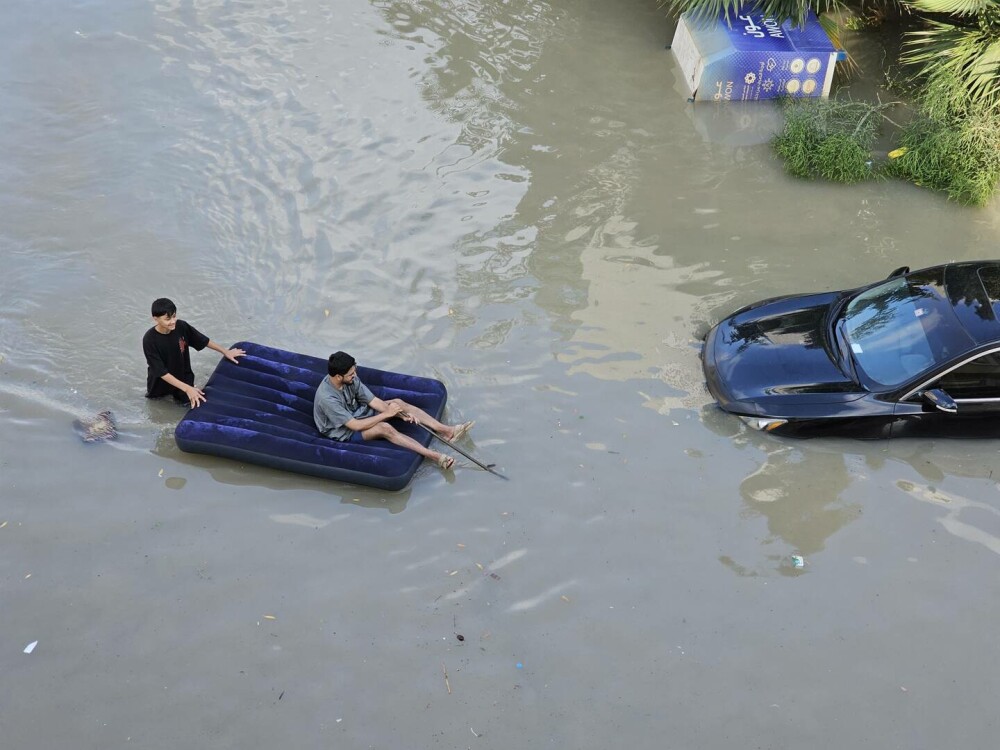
(915, 354)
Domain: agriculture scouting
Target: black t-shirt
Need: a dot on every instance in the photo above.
(169, 353)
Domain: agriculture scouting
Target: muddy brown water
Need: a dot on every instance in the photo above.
(514, 198)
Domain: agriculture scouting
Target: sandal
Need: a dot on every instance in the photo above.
(462, 430)
(445, 462)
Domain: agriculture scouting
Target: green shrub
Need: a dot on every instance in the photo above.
(842, 159)
(960, 157)
(798, 143)
(953, 145)
(829, 138)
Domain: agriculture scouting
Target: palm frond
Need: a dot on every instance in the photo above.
(965, 57)
(781, 10)
(798, 10)
(705, 9)
(959, 7)
(833, 29)
(984, 72)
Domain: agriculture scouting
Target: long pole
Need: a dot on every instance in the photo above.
(480, 464)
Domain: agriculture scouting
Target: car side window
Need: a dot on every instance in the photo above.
(979, 378)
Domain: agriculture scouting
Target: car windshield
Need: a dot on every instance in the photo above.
(900, 328)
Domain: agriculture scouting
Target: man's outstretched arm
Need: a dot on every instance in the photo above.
(230, 354)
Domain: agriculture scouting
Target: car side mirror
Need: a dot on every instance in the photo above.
(940, 400)
(901, 271)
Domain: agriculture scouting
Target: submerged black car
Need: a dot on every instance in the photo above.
(915, 354)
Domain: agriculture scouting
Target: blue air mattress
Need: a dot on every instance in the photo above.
(260, 412)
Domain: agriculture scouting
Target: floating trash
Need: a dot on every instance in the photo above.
(798, 561)
(30, 647)
(97, 429)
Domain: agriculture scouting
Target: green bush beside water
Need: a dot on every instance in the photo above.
(830, 139)
(962, 159)
(951, 145)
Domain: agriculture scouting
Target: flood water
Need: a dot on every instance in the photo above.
(517, 199)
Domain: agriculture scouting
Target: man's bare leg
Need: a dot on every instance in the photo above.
(383, 431)
(427, 420)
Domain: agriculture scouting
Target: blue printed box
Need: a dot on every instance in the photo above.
(752, 57)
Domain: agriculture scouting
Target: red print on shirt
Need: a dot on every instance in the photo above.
(183, 343)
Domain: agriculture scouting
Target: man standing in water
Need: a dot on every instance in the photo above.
(345, 410)
(167, 346)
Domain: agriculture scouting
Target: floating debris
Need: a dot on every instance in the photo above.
(98, 429)
(30, 647)
(798, 561)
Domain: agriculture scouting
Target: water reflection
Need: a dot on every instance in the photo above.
(574, 243)
(735, 124)
(798, 491)
(963, 517)
(477, 59)
(234, 473)
(798, 488)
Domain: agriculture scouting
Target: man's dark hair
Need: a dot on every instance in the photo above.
(163, 306)
(339, 363)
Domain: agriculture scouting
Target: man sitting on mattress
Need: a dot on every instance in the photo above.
(345, 410)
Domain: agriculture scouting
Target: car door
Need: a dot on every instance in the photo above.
(973, 386)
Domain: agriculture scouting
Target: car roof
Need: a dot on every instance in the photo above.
(974, 292)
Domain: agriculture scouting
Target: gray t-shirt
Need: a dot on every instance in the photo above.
(332, 409)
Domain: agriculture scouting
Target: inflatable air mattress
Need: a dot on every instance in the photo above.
(260, 412)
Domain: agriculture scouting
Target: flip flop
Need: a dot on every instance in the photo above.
(445, 462)
(462, 430)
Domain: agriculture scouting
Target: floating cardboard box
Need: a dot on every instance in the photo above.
(749, 57)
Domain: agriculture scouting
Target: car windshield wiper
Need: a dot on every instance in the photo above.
(840, 331)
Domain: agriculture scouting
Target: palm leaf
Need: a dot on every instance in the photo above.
(833, 29)
(780, 10)
(983, 73)
(967, 57)
(959, 7)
